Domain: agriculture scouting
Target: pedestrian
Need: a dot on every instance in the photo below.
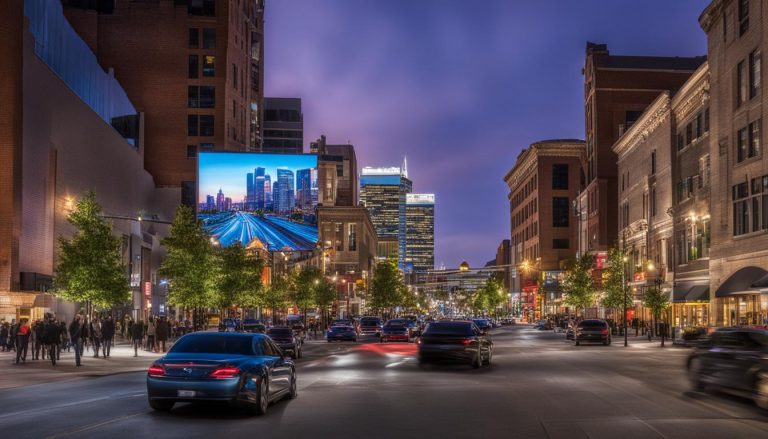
(95, 332)
(12, 335)
(52, 337)
(107, 333)
(151, 332)
(4, 329)
(37, 339)
(64, 339)
(76, 329)
(161, 333)
(22, 340)
(137, 334)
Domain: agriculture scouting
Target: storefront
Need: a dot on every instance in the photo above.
(742, 300)
(690, 304)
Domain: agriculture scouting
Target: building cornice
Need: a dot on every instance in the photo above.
(652, 118)
(528, 159)
(693, 95)
(711, 13)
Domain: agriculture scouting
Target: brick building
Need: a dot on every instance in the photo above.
(617, 89)
(193, 67)
(738, 260)
(542, 185)
(64, 130)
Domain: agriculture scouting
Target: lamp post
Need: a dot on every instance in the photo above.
(624, 293)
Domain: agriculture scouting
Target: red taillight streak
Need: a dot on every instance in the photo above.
(467, 341)
(225, 372)
(155, 371)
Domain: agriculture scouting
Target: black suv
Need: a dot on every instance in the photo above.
(592, 330)
(734, 360)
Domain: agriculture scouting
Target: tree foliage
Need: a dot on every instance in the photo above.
(578, 285)
(275, 296)
(325, 294)
(304, 284)
(489, 297)
(189, 262)
(656, 300)
(237, 277)
(387, 286)
(617, 294)
(90, 267)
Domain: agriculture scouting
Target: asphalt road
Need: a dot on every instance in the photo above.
(539, 386)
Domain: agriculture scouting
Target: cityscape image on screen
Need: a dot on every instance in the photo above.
(264, 201)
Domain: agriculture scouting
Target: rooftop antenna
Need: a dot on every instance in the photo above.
(404, 171)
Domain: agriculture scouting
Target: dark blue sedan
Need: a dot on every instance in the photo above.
(341, 332)
(241, 369)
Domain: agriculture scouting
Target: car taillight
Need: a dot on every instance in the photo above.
(155, 371)
(467, 341)
(225, 372)
(604, 331)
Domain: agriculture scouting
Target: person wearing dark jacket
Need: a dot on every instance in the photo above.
(52, 337)
(161, 333)
(76, 330)
(37, 341)
(107, 334)
(137, 335)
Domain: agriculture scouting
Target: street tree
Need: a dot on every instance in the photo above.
(387, 286)
(237, 277)
(578, 285)
(188, 263)
(303, 292)
(325, 294)
(617, 294)
(657, 301)
(275, 297)
(90, 267)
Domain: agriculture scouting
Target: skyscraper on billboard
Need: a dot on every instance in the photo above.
(259, 196)
(210, 202)
(304, 188)
(420, 232)
(383, 191)
(220, 201)
(249, 191)
(283, 196)
(268, 192)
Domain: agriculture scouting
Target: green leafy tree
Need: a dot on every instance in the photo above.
(90, 267)
(189, 263)
(658, 302)
(617, 294)
(275, 296)
(578, 285)
(325, 294)
(303, 293)
(387, 286)
(237, 277)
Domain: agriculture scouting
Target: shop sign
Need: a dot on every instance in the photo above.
(147, 289)
(639, 276)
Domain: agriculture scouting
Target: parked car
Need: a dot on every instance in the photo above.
(253, 325)
(341, 332)
(734, 360)
(370, 326)
(240, 369)
(592, 330)
(396, 330)
(455, 341)
(483, 324)
(286, 340)
(230, 325)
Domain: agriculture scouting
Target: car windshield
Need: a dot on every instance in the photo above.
(593, 324)
(214, 344)
(481, 322)
(461, 329)
(370, 322)
(341, 328)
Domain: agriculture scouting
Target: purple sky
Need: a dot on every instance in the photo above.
(458, 86)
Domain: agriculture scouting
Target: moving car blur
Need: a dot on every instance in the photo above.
(286, 340)
(455, 341)
(396, 330)
(595, 330)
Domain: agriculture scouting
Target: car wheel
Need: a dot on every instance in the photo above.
(478, 361)
(761, 390)
(490, 356)
(161, 405)
(262, 404)
(695, 371)
(293, 393)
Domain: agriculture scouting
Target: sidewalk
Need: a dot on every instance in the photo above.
(121, 360)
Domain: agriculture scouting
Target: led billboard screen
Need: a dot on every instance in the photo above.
(264, 201)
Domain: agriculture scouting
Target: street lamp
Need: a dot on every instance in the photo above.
(624, 293)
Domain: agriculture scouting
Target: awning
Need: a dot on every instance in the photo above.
(681, 290)
(698, 293)
(761, 283)
(741, 282)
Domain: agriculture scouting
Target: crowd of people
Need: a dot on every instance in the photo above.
(48, 337)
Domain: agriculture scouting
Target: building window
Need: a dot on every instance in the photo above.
(740, 209)
(339, 237)
(352, 237)
(765, 202)
(754, 73)
(209, 38)
(193, 96)
(209, 65)
(206, 125)
(754, 139)
(704, 170)
(559, 177)
(194, 38)
(191, 151)
(706, 120)
(625, 215)
(234, 76)
(645, 205)
(193, 66)
(204, 8)
(689, 133)
(560, 244)
(207, 96)
(741, 84)
(699, 126)
(743, 16)
(192, 123)
(741, 145)
(653, 162)
(684, 189)
(653, 201)
(560, 211)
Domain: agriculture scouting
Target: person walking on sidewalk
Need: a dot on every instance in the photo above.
(22, 340)
(64, 339)
(36, 337)
(137, 335)
(96, 336)
(4, 336)
(161, 333)
(76, 329)
(52, 337)
(151, 332)
(108, 334)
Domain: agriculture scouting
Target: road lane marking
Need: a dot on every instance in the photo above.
(92, 426)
